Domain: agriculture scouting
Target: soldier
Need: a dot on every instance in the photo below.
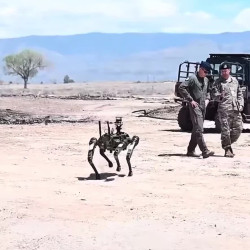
(226, 91)
(195, 91)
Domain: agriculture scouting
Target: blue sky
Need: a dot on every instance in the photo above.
(66, 17)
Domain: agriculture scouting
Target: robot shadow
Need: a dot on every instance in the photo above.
(103, 176)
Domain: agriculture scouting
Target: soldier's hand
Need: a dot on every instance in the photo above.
(206, 102)
(240, 108)
(222, 95)
(194, 104)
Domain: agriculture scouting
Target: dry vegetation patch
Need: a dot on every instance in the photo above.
(29, 106)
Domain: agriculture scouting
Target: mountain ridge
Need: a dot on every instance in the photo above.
(129, 56)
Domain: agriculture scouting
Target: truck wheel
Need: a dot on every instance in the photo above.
(184, 119)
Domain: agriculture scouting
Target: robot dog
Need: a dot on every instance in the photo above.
(111, 141)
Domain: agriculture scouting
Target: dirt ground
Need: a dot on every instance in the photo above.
(50, 199)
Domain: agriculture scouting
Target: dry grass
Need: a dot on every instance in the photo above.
(103, 89)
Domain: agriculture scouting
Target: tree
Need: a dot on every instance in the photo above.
(67, 79)
(25, 64)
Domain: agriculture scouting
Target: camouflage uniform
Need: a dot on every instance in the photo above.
(230, 102)
(195, 89)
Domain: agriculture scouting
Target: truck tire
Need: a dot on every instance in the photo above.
(184, 119)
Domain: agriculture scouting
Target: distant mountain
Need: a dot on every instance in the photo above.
(128, 56)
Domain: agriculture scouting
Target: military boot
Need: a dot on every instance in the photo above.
(229, 152)
(207, 153)
(232, 151)
(192, 154)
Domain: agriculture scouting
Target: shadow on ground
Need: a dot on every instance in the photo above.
(206, 131)
(181, 155)
(184, 155)
(104, 176)
(247, 130)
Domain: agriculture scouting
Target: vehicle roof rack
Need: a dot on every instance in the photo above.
(229, 55)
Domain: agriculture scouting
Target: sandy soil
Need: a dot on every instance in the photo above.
(50, 199)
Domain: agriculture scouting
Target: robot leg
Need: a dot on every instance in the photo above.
(116, 153)
(132, 145)
(92, 146)
(105, 157)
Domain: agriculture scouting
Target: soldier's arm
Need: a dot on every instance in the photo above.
(183, 89)
(208, 96)
(215, 92)
(209, 88)
(240, 97)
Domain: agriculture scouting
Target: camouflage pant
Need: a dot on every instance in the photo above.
(231, 127)
(197, 117)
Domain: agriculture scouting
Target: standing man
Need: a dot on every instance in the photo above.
(195, 91)
(226, 91)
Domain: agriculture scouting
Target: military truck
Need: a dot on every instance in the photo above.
(240, 68)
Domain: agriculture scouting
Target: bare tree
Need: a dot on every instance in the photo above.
(25, 64)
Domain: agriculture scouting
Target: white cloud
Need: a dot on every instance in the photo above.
(64, 17)
(60, 17)
(109, 8)
(199, 15)
(243, 19)
(156, 8)
(7, 11)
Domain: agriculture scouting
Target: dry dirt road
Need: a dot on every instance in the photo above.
(50, 200)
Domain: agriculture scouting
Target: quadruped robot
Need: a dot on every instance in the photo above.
(113, 142)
